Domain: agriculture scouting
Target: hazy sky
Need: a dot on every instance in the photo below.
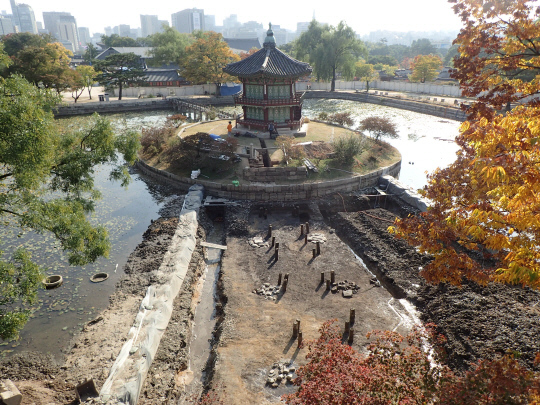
(362, 15)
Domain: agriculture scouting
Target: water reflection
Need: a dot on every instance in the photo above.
(126, 213)
(425, 141)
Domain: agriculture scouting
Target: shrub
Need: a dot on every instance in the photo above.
(154, 140)
(323, 116)
(347, 147)
(290, 148)
(343, 118)
(379, 127)
(306, 120)
(211, 114)
(177, 119)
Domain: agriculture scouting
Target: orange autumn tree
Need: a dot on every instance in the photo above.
(206, 58)
(484, 222)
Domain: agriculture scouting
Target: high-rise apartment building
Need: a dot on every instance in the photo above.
(63, 27)
(124, 30)
(209, 22)
(84, 36)
(69, 33)
(6, 26)
(301, 27)
(189, 20)
(23, 17)
(149, 25)
(51, 20)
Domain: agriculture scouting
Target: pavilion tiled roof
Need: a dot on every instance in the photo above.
(270, 62)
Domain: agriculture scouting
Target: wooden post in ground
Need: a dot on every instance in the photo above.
(305, 239)
(301, 229)
(284, 286)
(351, 336)
(276, 255)
(314, 253)
(307, 227)
(273, 240)
(299, 339)
(318, 248)
(270, 230)
(295, 329)
(352, 316)
(322, 277)
(279, 279)
(328, 285)
(333, 276)
(347, 327)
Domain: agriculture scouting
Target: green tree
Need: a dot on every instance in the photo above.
(14, 43)
(46, 66)
(330, 49)
(450, 55)
(88, 75)
(76, 84)
(382, 59)
(91, 53)
(120, 70)
(46, 184)
(422, 47)
(366, 73)
(117, 40)
(169, 46)
(206, 58)
(425, 68)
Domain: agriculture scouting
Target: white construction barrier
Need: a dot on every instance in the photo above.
(129, 371)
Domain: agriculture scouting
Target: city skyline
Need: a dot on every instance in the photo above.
(414, 15)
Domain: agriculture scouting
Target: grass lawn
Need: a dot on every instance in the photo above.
(376, 155)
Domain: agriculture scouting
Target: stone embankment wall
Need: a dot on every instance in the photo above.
(274, 192)
(270, 174)
(120, 106)
(448, 112)
(107, 107)
(116, 106)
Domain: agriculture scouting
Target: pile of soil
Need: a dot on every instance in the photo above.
(318, 150)
(479, 322)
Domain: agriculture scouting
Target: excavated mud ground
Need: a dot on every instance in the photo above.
(479, 322)
(253, 333)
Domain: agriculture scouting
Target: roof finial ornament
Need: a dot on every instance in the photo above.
(270, 40)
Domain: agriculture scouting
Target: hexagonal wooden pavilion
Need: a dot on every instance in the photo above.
(269, 87)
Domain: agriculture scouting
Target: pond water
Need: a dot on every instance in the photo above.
(126, 213)
(425, 142)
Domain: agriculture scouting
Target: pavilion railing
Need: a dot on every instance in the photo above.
(295, 100)
(264, 125)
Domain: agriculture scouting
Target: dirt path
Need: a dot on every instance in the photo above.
(256, 331)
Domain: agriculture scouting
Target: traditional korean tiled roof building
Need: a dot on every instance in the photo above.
(268, 77)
